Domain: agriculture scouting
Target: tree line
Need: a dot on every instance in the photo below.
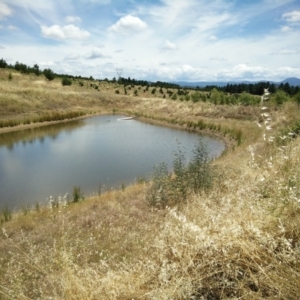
(237, 88)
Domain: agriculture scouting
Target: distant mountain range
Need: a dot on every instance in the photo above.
(292, 81)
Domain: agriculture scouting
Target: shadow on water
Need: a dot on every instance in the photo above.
(29, 136)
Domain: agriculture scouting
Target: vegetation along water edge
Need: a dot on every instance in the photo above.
(222, 229)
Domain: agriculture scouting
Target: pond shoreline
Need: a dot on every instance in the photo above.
(229, 143)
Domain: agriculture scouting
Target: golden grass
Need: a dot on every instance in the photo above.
(240, 240)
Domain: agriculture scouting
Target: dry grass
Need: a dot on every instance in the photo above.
(240, 240)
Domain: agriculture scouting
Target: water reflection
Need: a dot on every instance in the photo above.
(40, 162)
(10, 139)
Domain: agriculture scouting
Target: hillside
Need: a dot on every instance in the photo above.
(237, 237)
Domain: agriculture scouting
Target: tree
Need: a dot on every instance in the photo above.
(3, 63)
(49, 74)
(36, 70)
(215, 96)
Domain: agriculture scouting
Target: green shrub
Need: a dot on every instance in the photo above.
(77, 194)
(6, 214)
(49, 74)
(66, 81)
(167, 189)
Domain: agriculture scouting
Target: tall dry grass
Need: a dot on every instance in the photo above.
(238, 240)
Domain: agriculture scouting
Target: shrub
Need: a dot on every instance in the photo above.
(49, 74)
(66, 81)
(195, 96)
(168, 189)
(6, 215)
(280, 97)
(77, 194)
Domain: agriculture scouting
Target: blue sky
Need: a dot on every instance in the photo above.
(167, 40)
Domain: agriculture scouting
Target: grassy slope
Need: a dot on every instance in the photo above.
(240, 240)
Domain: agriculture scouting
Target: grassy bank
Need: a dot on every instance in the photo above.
(239, 239)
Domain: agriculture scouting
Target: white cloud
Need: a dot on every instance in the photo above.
(257, 73)
(213, 38)
(99, 2)
(72, 56)
(72, 19)
(11, 27)
(62, 33)
(47, 64)
(96, 53)
(129, 24)
(292, 17)
(217, 58)
(286, 52)
(2, 47)
(286, 29)
(5, 11)
(168, 46)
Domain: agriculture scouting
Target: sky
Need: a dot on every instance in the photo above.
(165, 40)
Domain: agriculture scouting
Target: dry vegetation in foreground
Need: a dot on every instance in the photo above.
(238, 240)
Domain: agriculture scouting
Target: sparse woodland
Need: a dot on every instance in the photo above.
(234, 236)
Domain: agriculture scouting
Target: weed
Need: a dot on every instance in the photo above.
(6, 214)
(77, 194)
(168, 189)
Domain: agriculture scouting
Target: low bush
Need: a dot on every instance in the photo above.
(66, 81)
(172, 188)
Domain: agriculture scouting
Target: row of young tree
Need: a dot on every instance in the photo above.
(48, 73)
(251, 88)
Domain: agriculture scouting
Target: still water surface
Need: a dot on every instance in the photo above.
(104, 150)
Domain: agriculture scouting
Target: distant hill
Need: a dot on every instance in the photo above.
(293, 81)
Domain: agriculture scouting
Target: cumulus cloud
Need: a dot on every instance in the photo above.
(62, 33)
(292, 17)
(129, 24)
(5, 11)
(72, 19)
(96, 53)
(168, 46)
(243, 71)
(257, 73)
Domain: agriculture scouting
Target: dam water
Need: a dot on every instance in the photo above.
(102, 151)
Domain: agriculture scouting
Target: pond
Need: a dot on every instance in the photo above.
(102, 151)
